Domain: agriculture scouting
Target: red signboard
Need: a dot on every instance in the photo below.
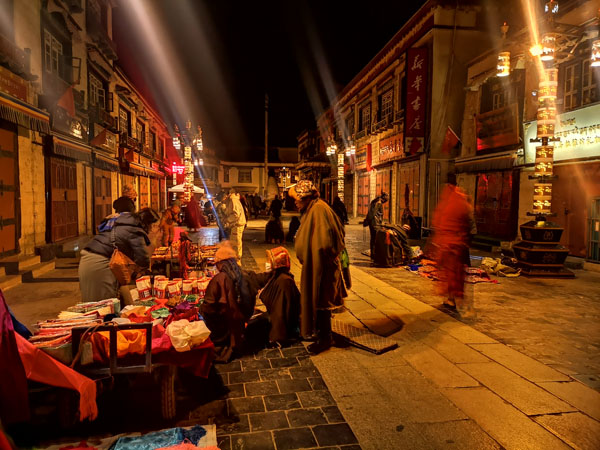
(416, 99)
(498, 128)
(176, 168)
(13, 84)
(391, 148)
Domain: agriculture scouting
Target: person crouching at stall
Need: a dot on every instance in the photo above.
(228, 304)
(167, 223)
(282, 299)
(129, 233)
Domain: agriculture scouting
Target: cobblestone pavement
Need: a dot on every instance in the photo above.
(556, 322)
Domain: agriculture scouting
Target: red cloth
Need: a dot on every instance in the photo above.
(43, 368)
(14, 397)
(67, 101)
(198, 360)
(82, 446)
(451, 224)
(450, 140)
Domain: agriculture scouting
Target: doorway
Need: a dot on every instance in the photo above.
(63, 195)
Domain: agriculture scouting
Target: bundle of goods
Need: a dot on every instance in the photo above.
(102, 308)
(54, 332)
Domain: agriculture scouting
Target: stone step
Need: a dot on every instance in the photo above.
(37, 270)
(9, 281)
(14, 265)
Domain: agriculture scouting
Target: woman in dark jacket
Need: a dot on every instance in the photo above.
(129, 233)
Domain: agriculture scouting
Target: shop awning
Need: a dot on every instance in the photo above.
(105, 162)
(71, 149)
(484, 163)
(21, 113)
(137, 169)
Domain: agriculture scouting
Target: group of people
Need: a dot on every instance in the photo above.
(231, 295)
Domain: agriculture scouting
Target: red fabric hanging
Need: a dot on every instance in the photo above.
(41, 367)
(14, 397)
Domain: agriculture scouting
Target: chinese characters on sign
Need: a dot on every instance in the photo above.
(391, 148)
(416, 82)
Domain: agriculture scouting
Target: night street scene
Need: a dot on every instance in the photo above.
(299, 224)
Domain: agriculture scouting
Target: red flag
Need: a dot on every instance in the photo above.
(369, 157)
(100, 139)
(67, 101)
(450, 140)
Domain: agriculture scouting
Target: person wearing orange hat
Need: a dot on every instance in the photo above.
(319, 243)
(282, 298)
(229, 302)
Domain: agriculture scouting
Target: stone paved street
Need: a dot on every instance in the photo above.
(449, 384)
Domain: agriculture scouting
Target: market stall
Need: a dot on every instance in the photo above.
(160, 333)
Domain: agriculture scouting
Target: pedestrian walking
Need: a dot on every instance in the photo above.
(236, 221)
(374, 218)
(340, 209)
(452, 222)
(319, 243)
(276, 206)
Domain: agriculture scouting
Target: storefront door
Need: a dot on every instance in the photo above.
(63, 182)
(495, 206)
(102, 195)
(143, 194)
(363, 194)
(163, 189)
(349, 195)
(383, 183)
(8, 183)
(154, 194)
(408, 178)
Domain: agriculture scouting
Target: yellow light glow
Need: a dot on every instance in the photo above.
(536, 50)
(503, 67)
(595, 54)
(548, 47)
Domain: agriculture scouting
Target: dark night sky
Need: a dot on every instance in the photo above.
(224, 56)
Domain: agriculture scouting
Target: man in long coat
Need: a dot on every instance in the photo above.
(319, 242)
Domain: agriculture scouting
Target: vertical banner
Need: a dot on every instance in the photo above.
(416, 100)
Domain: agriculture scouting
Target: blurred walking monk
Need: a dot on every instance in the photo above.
(319, 242)
(452, 227)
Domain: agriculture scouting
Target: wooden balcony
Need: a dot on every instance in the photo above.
(13, 57)
(129, 142)
(100, 116)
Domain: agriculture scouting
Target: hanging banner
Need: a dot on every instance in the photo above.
(416, 101)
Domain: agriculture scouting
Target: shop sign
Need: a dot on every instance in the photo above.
(104, 139)
(498, 128)
(178, 169)
(579, 133)
(13, 84)
(361, 158)
(416, 100)
(340, 167)
(71, 126)
(391, 148)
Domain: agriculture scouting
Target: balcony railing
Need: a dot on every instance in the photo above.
(15, 58)
(361, 134)
(101, 116)
(127, 141)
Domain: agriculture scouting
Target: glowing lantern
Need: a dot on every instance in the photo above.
(595, 54)
(548, 47)
(350, 150)
(503, 67)
(331, 149)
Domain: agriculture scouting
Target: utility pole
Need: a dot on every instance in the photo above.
(266, 177)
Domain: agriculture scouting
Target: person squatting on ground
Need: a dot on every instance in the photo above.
(281, 298)
(126, 203)
(319, 243)
(451, 236)
(236, 222)
(374, 218)
(129, 232)
(169, 218)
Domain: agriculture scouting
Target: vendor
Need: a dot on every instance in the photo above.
(129, 233)
(229, 302)
(282, 299)
(167, 222)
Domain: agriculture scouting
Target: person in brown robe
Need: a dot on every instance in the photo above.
(319, 242)
(282, 299)
(229, 302)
